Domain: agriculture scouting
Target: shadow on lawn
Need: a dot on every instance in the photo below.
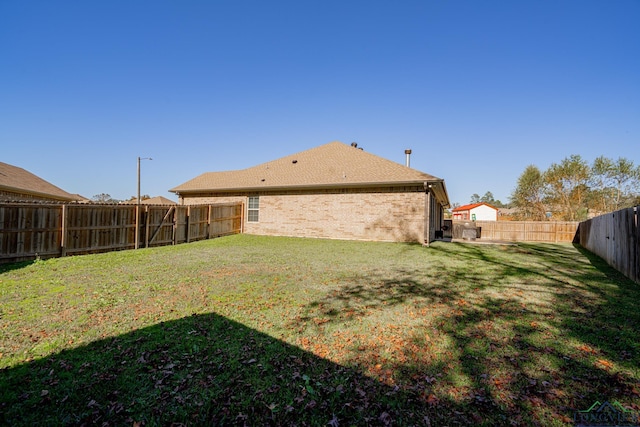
(15, 266)
(200, 370)
(562, 335)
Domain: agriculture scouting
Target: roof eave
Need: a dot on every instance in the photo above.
(36, 193)
(301, 187)
(440, 191)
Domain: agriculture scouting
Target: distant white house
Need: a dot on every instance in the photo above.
(475, 212)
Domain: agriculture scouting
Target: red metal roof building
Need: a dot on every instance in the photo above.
(475, 212)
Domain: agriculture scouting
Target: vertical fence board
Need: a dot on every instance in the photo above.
(181, 226)
(615, 237)
(225, 219)
(99, 228)
(198, 222)
(29, 231)
(636, 243)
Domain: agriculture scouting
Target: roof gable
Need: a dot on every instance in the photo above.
(330, 165)
(18, 180)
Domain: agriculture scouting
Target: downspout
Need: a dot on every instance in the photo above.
(427, 211)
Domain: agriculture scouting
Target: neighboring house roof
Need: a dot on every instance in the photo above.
(332, 165)
(80, 198)
(158, 200)
(17, 180)
(472, 206)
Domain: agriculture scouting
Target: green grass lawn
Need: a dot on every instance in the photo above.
(248, 330)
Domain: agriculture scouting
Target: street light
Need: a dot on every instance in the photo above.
(137, 237)
(140, 158)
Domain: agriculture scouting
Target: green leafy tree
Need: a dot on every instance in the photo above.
(614, 184)
(572, 188)
(601, 196)
(528, 195)
(567, 188)
(488, 198)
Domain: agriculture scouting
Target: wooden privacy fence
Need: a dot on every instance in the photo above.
(30, 231)
(518, 231)
(615, 237)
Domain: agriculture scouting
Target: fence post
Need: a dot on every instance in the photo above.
(174, 231)
(146, 226)
(63, 231)
(209, 213)
(136, 236)
(188, 226)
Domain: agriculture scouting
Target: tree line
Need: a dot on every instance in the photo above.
(574, 190)
(487, 198)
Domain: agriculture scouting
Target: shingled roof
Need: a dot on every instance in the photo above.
(332, 165)
(17, 180)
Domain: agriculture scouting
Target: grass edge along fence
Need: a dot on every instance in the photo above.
(615, 237)
(39, 230)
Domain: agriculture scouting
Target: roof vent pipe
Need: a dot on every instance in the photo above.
(408, 154)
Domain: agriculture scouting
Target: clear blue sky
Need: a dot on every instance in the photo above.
(477, 89)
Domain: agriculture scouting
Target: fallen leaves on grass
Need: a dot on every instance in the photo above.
(604, 363)
(587, 349)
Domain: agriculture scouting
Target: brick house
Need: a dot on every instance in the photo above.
(17, 184)
(475, 212)
(331, 191)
